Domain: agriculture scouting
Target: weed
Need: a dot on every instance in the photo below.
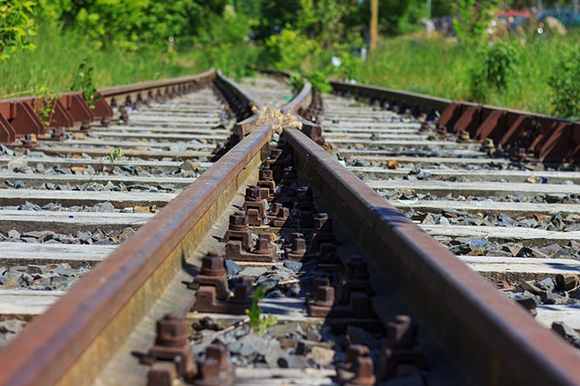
(115, 154)
(84, 82)
(259, 322)
(46, 109)
(565, 86)
(113, 157)
(498, 68)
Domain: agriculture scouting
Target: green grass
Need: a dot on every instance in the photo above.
(55, 61)
(440, 67)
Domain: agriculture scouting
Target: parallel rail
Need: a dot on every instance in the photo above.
(521, 134)
(494, 340)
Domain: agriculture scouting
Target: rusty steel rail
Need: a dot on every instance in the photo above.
(19, 118)
(522, 134)
(75, 338)
(495, 340)
(72, 342)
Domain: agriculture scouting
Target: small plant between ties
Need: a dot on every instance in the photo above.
(113, 157)
(260, 323)
(85, 83)
(47, 106)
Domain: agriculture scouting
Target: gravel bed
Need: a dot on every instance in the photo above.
(96, 237)
(49, 277)
(484, 247)
(548, 222)
(102, 207)
(285, 345)
(548, 291)
(188, 169)
(411, 194)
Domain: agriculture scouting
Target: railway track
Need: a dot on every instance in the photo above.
(361, 295)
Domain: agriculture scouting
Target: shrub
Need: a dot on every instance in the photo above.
(498, 68)
(16, 25)
(565, 86)
(290, 48)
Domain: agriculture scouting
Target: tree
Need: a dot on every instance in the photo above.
(16, 26)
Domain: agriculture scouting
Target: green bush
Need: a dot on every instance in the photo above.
(16, 26)
(498, 68)
(565, 86)
(289, 49)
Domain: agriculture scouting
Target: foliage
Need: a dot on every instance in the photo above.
(497, 69)
(46, 109)
(400, 17)
(84, 82)
(565, 86)
(474, 19)
(16, 26)
(296, 82)
(260, 323)
(115, 154)
(319, 82)
(289, 49)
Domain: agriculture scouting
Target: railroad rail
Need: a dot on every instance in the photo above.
(362, 294)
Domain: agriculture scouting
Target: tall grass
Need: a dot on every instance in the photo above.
(55, 61)
(441, 67)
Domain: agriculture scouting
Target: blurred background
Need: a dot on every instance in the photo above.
(519, 54)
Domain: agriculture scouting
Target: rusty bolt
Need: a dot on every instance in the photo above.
(266, 175)
(238, 220)
(319, 282)
(212, 265)
(365, 372)
(253, 193)
(298, 242)
(264, 243)
(275, 153)
(353, 352)
(357, 268)
(401, 333)
(219, 353)
(113, 102)
(162, 374)
(171, 331)
(209, 370)
(324, 296)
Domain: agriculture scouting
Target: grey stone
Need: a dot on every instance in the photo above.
(105, 207)
(232, 268)
(18, 164)
(50, 186)
(360, 336)
(294, 266)
(253, 271)
(14, 234)
(250, 344)
(6, 150)
(40, 168)
(275, 356)
(546, 284)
